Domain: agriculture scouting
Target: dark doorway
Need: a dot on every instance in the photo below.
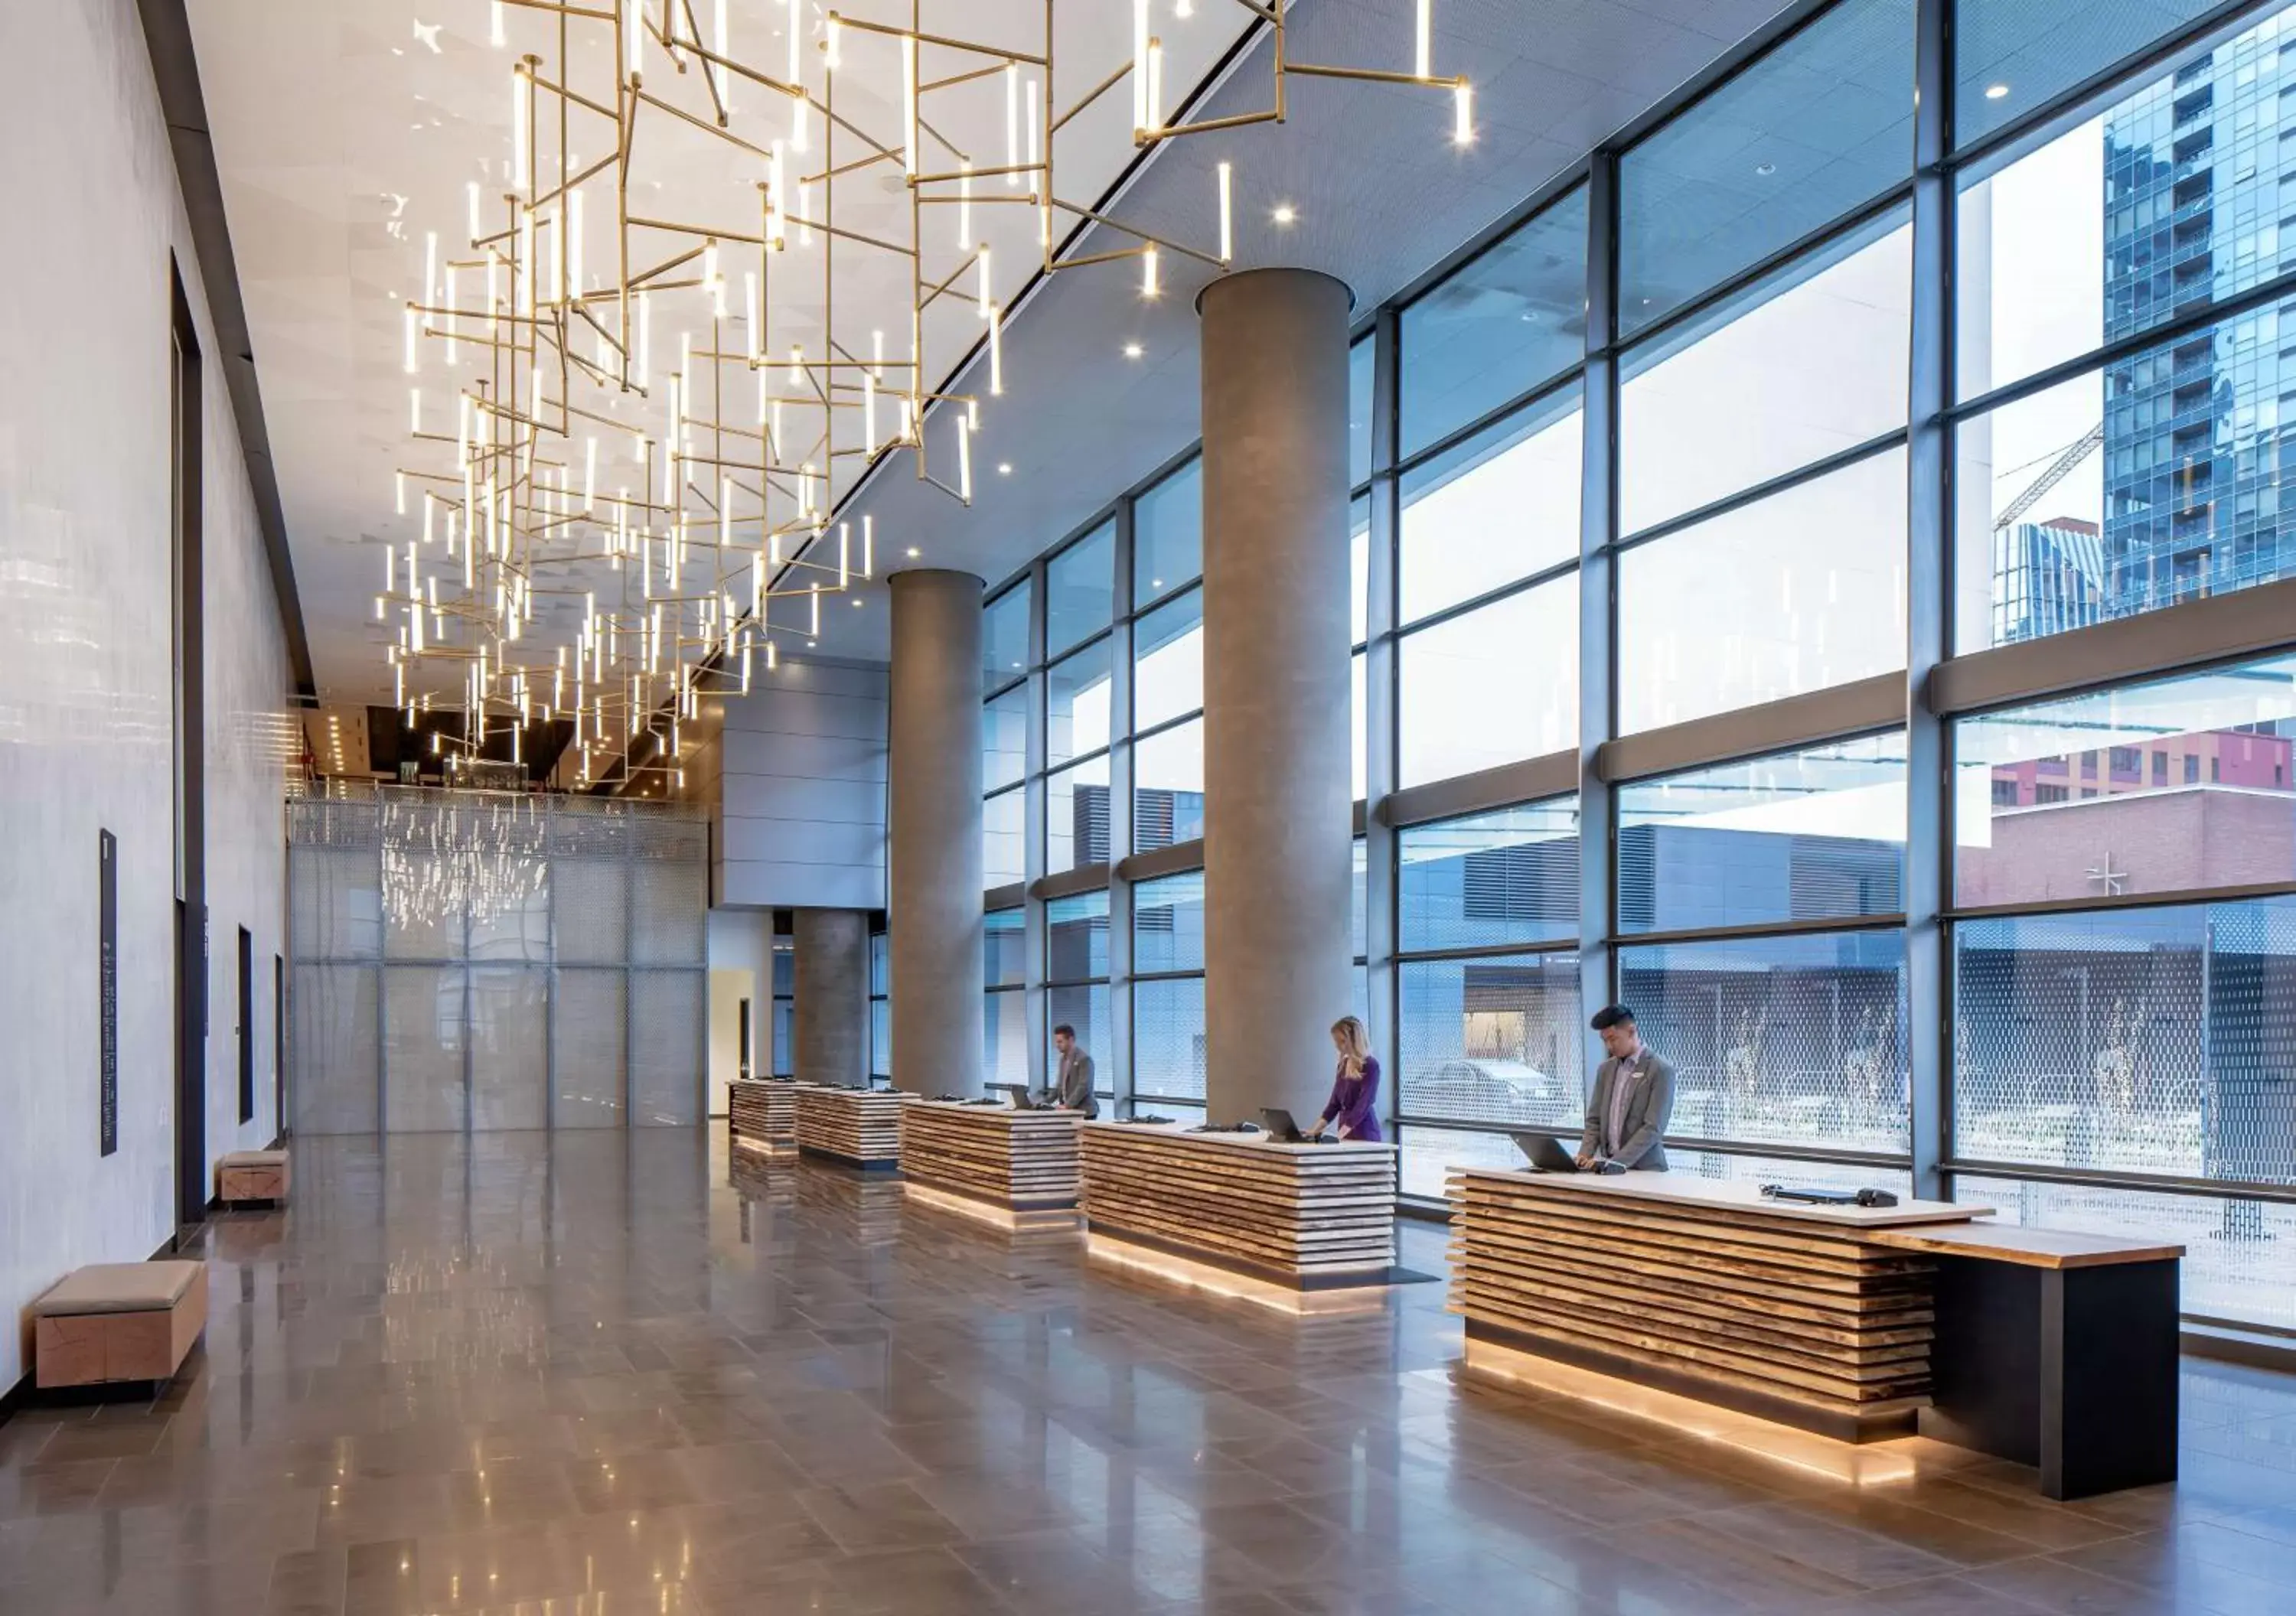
(187, 622)
(246, 1026)
(743, 1052)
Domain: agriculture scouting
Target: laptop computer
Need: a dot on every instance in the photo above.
(1544, 1152)
(1280, 1125)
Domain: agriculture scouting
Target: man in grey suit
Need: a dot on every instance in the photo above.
(1072, 1084)
(1633, 1099)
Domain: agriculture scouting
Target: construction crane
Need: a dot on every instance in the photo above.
(2059, 469)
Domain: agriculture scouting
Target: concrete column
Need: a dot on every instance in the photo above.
(1277, 799)
(934, 869)
(832, 996)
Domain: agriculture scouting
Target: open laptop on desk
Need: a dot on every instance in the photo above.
(1546, 1154)
(1282, 1128)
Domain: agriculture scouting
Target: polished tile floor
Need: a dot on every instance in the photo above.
(617, 1374)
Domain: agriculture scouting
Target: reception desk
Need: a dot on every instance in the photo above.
(1307, 1217)
(1858, 1323)
(859, 1128)
(762, 1113)
(1017, 1161)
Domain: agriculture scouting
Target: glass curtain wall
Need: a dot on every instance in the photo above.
(1798, 433)
(880, 1007)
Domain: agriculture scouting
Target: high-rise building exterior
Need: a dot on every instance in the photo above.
(2192, 475)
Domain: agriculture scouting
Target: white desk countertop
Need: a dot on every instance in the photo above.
(1736, 1195)
(1243, 1141)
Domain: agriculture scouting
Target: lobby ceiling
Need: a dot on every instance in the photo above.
(346, 129)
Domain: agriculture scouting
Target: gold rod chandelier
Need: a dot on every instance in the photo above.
(608, 528)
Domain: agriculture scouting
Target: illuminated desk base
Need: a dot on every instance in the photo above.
(1856, 1464)
(1211, 1280)
(975, 1209)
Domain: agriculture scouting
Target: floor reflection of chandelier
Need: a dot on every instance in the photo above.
(475, 861)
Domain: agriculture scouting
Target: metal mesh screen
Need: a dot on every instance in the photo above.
(590, 911)
(1005, 1036)
(2136, 1039)
(1085, 1008)
(589, 1037)
(1492, 1040)
(335, 897)
(334, 1024)
(667, 1035)
(509, 1048)
(669, 903)
(1790, 1040)
(422, 1048)
(1168, 1039)
(477, 903)
(2240, 1256)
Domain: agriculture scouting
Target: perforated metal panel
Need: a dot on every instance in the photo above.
(1167, 1038)
(335, 895)
(1495, 1041)
(2136, 1039)
(669, 903)
(335, 1021)
(423, 904)
(667, 1055)
(2240, 1256)
(1005, 1036)
(590, 911)
(1790, 1040)
(510, 1050)
(589, 1038)
(422, 1049)
(470, 898)
(1085, 1008)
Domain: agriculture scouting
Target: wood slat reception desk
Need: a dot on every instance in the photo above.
(858, 1127)
(1021, 1160)
(1861, 1323)
(1309, 1217)
(762, 1112)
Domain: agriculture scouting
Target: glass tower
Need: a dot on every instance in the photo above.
(2193, 167)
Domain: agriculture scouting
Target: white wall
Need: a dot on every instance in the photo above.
(93, 213)
(741, 966)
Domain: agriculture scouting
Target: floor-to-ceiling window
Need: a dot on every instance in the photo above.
(880, 1007)
(1843, 647)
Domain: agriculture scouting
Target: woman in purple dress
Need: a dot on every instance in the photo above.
(1354, 1104)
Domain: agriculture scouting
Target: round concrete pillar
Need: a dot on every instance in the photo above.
(832, 1005)
(933, 868)
(1278, 803)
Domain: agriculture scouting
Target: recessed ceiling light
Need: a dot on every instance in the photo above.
(1004, 468)
(809, 645)
(1765, 169)
(1132, 350)
(915, 552)
(1995, 92)
(1285, 213)
(856, 603)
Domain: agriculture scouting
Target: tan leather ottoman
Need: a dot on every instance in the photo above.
(119, 1321)
(251, 1175)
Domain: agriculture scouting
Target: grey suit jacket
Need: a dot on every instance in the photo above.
(1072, 1085)
(1649, 1107)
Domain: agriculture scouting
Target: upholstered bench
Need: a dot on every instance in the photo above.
(119, 1321)
(251, 1175)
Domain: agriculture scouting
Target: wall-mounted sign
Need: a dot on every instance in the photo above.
(107, 973)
